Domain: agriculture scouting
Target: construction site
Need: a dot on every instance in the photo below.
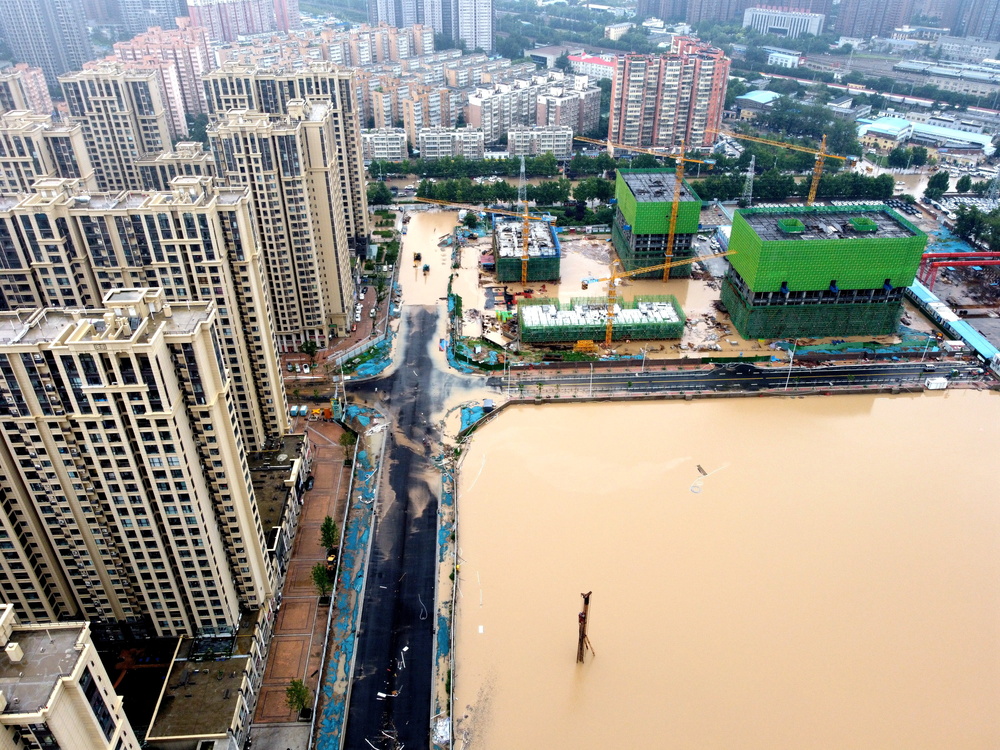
(509, 250)
(642, 232)
(820, 271)
(643, 318)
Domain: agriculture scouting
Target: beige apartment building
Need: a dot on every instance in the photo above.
(69, 249)
(292, 167)
(123, 114)
(54, 690)
(24, 88)
(126, 488)
(34, 148)
(188, 159)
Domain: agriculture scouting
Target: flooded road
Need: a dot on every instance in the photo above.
(833, 582)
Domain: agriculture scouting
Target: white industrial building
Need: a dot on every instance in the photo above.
(787, 23)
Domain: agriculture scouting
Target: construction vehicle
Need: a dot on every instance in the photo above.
(679, 161)
(821, 156)
(616, 276)
(522, 215)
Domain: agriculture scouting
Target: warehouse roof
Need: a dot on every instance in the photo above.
(845, 223)
(760, 97)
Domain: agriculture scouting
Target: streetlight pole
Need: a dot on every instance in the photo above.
(643, 370)
(591, 379)
(791, 359)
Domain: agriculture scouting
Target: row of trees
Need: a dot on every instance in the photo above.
(977, 226)
(458, 166)
(901, 158)
(773, 186)
(465, 190)
(791, 117)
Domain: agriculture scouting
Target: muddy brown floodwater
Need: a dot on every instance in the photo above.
(835, 583)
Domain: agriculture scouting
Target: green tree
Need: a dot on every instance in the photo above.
(297, 696)
(197, 128)
(471, 220)
(329, 533)
(309, 348)
(964, 184)
(899, 157)
(919, 156)
(645, 161)
(562, 62)
(937, 185)
(379, 194)
(348, 439)
(773, 186)
(321, 579)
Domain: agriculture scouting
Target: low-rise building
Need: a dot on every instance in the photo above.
(439, 143)
(967, 49)
(547, 56)
(557, 140)
(616, 31)
(752, 103)
(844, 108)
(593, 66)
(383, 144)
(783, 22)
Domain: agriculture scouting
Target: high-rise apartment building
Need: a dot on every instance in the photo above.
(123, 114)
(188, 159)
(271, 91)
(292, 165)
(864, 19)
(665, 10)
(427, 107)
(475, 23)
(126, 490)
(980, 18)
(47, 34)
(34, 148)
(665, 100)
(24, 88)
(726, 11)
(56, 692)
(194, 241)
(185, 47)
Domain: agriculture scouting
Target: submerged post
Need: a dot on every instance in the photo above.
(584, 642)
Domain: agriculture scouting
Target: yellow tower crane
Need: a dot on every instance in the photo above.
(821, 156)
(679, 160)
(617, 276)
(520, 215)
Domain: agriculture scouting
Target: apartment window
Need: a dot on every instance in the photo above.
(93, 694)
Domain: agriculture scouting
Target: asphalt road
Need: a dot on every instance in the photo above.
(399, 603)
(743, 376)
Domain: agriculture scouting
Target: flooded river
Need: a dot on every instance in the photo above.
(833, 582)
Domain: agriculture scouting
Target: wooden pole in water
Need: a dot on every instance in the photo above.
(583, 643)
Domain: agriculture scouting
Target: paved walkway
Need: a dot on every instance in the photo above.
(297, 645)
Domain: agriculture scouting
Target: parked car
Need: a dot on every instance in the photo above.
(305, 369)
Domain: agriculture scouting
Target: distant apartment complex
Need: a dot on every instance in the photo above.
(781, 22)
(438, 143)
(864, 19)
(227, 20)
(549, 98)
(470, 21)
(665, 100)
(127, 495)
(186, 49)
(383, 144)
(24, 88)
(47, 34)
(556, 140)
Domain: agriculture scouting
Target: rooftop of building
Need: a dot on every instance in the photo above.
(655, 185)
(760, 97)
(201, 693)
(270, 472)
(61, 325)
(827, 223)
(509, 239)
(49, 653)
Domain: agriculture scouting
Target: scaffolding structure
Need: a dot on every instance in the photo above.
(644, 318)
(508, 250)
(819, 271)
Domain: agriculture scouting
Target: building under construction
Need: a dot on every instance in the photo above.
(819, 271)
(508, 250)
(641, 227)
(644, 318)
